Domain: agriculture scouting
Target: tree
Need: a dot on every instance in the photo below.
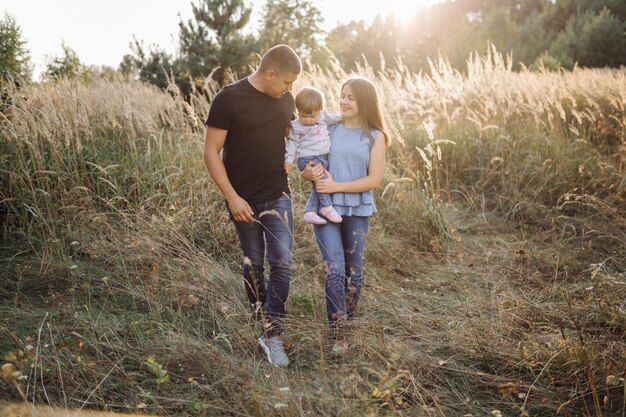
(152, 66)
(215, 39)
(455, 29)
(68, 65)
(293, 22)
(445, 28)
(533, 41)
(499, 29)
(590, 32)
(546, 62)
(602, 41)
(347, 42)
(210, 43)
(355, 41)
(14, 57)
(382, 37)
(591, 40)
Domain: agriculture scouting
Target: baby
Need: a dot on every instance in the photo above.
(309, 139)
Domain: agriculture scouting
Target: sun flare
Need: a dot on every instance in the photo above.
(346, 10)
(404, 10)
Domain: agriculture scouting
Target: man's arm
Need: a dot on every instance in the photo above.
(213, 144)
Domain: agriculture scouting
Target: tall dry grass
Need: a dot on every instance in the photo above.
(520, 142)
(495, 266)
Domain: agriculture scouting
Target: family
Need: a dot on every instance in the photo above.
(342, 154)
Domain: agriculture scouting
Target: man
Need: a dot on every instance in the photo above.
(249, 120)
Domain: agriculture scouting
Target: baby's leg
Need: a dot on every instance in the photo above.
(313, 204)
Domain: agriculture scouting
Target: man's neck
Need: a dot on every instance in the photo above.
(256, 80)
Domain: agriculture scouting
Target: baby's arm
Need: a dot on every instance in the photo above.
(330, 118)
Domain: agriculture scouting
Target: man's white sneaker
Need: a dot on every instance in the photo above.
(275, 351)
(340, 347)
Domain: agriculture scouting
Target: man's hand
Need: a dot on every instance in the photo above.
(313, 171)
(287, 166)
(241, 210)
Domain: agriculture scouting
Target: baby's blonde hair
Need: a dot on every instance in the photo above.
(309, 100)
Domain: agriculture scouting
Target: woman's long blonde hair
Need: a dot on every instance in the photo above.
(369, 114)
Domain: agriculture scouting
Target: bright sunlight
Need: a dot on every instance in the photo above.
(347, 10)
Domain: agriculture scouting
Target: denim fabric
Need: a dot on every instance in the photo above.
(316, 200)
(342, 246)
(273, 226)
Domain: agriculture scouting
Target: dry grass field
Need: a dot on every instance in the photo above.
(29, 410)
(495, 280)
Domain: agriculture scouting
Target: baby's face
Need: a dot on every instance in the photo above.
(308, 119)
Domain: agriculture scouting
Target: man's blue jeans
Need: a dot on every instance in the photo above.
(272, 229)
(316, 200)
(342, 246)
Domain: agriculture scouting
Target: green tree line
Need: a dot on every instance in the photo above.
(216, 42)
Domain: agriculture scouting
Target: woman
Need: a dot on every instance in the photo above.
(356, 163)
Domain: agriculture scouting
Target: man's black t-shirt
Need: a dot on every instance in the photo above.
(254, 150)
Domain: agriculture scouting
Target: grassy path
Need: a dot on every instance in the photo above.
(505, 319)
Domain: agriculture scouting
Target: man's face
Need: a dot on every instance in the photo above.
(279, 84)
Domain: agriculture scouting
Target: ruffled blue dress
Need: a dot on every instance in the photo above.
(348, 160)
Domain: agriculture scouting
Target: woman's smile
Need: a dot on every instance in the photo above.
(347, 103)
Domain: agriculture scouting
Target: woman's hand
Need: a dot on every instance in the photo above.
(312, 171)
(326, 185)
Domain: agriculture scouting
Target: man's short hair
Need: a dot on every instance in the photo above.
(282, 59)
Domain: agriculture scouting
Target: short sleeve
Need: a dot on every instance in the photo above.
(375, 135)
(220, 114)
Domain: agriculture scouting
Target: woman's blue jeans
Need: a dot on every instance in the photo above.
(272, 228)
(342, 246)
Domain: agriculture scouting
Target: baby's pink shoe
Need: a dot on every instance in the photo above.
(311, 217)
(331, 214)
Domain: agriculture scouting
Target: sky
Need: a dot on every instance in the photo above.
(100, 32)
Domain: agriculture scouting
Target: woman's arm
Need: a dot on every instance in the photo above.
(371, 181)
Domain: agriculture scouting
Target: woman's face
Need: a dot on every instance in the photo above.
(347, 103)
